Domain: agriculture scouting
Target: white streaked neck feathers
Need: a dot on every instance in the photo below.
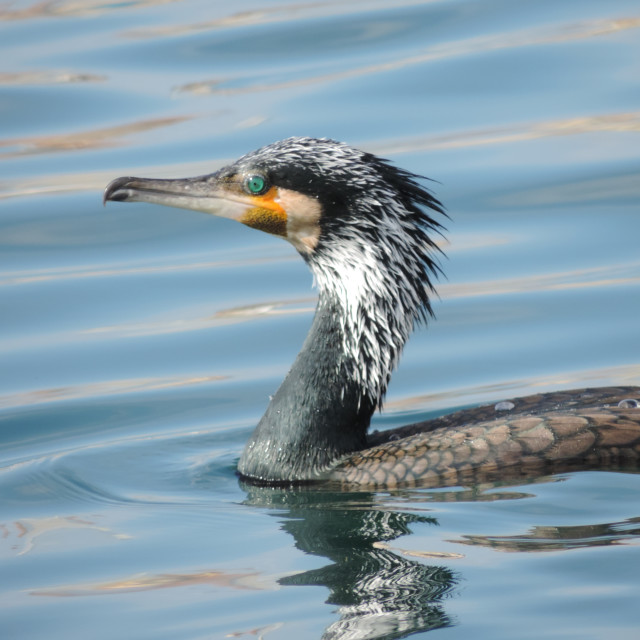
(375, 287)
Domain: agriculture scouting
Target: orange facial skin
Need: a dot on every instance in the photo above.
(267, 215)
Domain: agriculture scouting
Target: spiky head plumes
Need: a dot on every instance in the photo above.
(374, 253)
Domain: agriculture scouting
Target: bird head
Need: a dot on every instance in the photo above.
(364, 227)
(315, 193)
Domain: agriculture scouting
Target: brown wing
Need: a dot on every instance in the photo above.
(541, 434)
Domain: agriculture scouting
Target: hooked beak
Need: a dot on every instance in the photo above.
(278, 211)
(204, 193)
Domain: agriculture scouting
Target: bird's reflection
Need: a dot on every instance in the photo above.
(551, 538)
(379, 594)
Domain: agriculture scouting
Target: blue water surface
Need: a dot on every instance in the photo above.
(139, 345)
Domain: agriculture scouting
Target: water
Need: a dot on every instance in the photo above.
(139, 345)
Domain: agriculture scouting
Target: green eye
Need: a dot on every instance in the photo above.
(255, 185)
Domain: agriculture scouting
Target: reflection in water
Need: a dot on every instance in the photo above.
(47, 77)
(536, 36)
(611, 189)
(23, 534)
(379, 593)
(378, 590)
(513, 388)
(561, 538)
(269, 15)
(594, 277)
(70, 8)
(93, 139)
(264, 15)
(101, 389)
(521, 132)
(46, 184)
(133, 584)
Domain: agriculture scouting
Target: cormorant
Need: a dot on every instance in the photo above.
(366, 229)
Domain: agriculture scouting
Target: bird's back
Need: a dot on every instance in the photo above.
(523, 439)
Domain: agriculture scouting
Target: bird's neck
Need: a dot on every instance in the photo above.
(319, 413)
(367, 307)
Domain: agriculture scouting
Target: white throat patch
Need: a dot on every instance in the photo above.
(379, 308)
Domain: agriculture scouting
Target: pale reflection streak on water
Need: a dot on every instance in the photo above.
(579, 279)
(473, 46)
(101, 389)
(270, 15)
(615, 122)
(82, 141)
(47, 77)
(93, 335)
(95, 181)
(549, 538)
(24, 277)
(133, 584)
(487, 393)
(72, 9)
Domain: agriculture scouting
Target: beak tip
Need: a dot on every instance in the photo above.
(117, 190)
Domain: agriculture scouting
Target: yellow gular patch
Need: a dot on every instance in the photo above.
(267, 215)
(266, 220)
